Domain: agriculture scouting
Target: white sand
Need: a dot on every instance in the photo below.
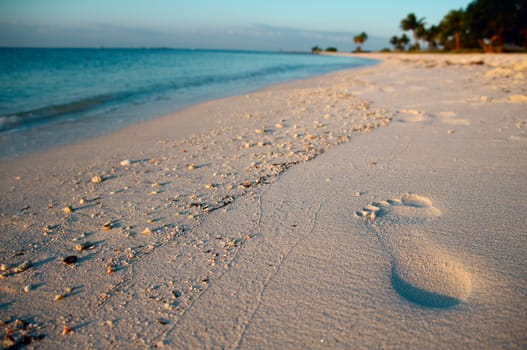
(410, 236)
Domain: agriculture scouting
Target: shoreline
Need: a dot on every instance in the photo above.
(248, 227)
(157, 127)
(112, 112)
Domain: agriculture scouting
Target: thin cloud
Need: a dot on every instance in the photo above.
(299, 38)
(251, 37)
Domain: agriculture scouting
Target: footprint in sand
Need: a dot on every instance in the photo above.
(451, 118)
(411, 116)
(421, 271)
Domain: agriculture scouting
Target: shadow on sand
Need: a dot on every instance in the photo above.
(420, 296)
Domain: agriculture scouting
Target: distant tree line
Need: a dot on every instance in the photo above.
(485, 24)
(317, 49)
(357, 39)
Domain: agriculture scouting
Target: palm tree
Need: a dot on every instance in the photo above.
(316, 49)
(399, 43)
(452, 26)
(359, 40)
(415, 25)
(394, 40)
(404, 40)
(430, 35)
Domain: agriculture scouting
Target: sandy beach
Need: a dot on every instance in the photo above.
(381, 207)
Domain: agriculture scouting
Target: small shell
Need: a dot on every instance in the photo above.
(126, 162)
(107, 226)
(162, 321)
(96, 179)
(20, 324)
(22, 267)
(84, 246)
(129, 253)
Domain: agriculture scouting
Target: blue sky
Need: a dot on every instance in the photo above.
(221, 24)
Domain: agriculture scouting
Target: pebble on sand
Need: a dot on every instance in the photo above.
(70, 260)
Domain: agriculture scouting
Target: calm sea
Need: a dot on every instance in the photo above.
(103, 89)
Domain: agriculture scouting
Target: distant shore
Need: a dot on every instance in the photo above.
(365, 208)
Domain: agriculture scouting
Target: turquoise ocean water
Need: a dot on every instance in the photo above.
(61, 89)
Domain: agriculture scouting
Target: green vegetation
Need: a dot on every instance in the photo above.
(316, 50)
(484, 25)
(416, 26)
(490, 25)
(359, 40)
(399, 43)
(452, 26)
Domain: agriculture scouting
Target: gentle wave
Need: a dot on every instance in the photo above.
(48, 113)
(40, 86)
